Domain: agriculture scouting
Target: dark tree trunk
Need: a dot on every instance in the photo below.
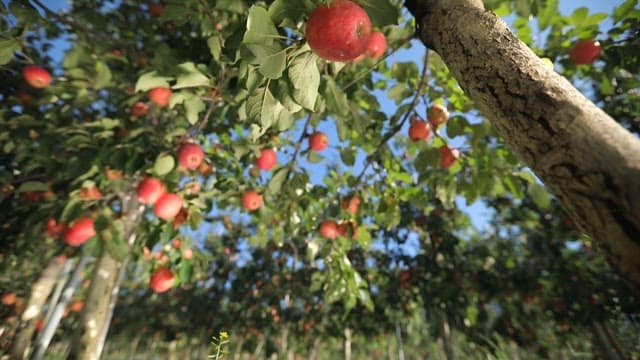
(586, 159)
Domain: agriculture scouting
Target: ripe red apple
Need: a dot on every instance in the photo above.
(438, 115)
(175, 243)
(318, 141)
(92, 193)
(585, 51)
(377, 45)
(149, 190)
(205, 168)
(251, 200)
(267, 159)
(36, 76)
(162, 280)
(329, 229)
(76, 306)
(9, 298)
(351, 204)
(160, 96)
(448, 156)
(190, 156)
(156, 9)
(79, 232)
(168, 206)
(339, 31)
(419, 130)
(139, 109)
(53, 229)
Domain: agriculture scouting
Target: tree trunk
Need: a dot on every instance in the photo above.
(347, 344)
(585, 158)
(57, 311)
(39, 293)
(604, 347)
(100, 302)
(399, 345)
(447, 337)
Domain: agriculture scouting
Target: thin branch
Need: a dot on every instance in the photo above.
(393, 131)
(296, 152)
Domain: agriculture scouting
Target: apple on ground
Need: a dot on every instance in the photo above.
(168, 206)
(190, 156)
(318, 141)
(36, 76)
(160, 96)
(419, 130)
(585, 51)
(162, 280)
(338, 31)
(79, 231)
(251, 200)
(149, 190)
(438, 115)
(329, 229)
(267, 159)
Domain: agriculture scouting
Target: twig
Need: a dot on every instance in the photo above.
(296, 152)
(398, 127)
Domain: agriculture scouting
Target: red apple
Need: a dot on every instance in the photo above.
(318, 141)
(156, 9)
(351, 204)
(438, 115)
(36, 76)
(419, 130)
(251, 200)
(168, 206)
(175, 243)
(267, 159)
(585, 51)
(76, 306)
(190, 156)
(149, 190)
(92, 193)
(448, 156)
(329, 229)
(160, 96)
(162, 280)
(205, 169)
(53, 229)
(139, 109)
(339, 31)
(377, 45)
(79, 232)
(25, 98)
(9, 298)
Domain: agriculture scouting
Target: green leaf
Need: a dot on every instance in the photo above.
(539, 195)
(336, 99)
(151, 80)
(164, 164)
(7, 47)
(265, 109)
(193, 106)
(623, 10)
(381, 12)
(314, 158)
(271, 59)
(190, 76)
(294, 10)
(348, 156)
(305, 77)
(260, 28)
(275, 184)
(457, 126)
(215, 47)
(33, 186)
(103, 75)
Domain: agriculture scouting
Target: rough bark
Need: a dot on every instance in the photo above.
(100, 301)
(586, 159)
(40, 291)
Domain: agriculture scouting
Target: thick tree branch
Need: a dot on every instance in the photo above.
(590, 162)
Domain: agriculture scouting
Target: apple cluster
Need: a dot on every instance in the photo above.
(342, 31)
